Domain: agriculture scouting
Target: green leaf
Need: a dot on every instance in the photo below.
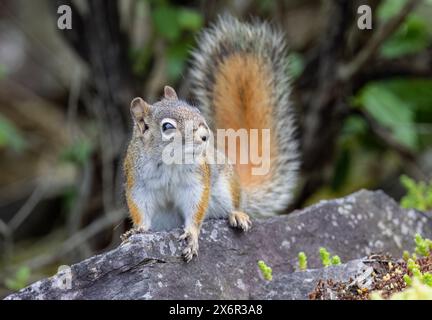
(302, 261)
(354, 125)
(10, 137)
(341, 170)
(266, 271)
(411, 37)
(422, 247)
(79, 152)
(176, 57)
(3, 72)
(166, 22)
(141, 59)
(427, 279)
(416, 91)
(20, 279)
(296, 64)
(189, 19)
(325, 257)
(407, 279)
(418, 197)
(389, 8)
(335, 260)
(391, 112)
(23, 274)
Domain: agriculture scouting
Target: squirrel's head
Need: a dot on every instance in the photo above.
(169, 125)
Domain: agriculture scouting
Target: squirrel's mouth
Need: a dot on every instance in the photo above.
(194, 149)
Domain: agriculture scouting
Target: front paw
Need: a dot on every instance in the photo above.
(240, 220)
(125, 236)
(191, 248)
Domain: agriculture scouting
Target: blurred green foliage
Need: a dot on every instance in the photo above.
(423, 246)
(390, 111)
(418, 196)
(389, 8)
(176, 25)
(78, 152)
(415, 291)
(296, 64)
(171, 21)
(10, 137)
(411, 37)
(19, 280)
(401, 106)
(3, 72)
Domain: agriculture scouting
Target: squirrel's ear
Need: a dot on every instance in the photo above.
(139, 109)
(169, 93)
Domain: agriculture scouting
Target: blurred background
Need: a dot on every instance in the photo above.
(363, 100)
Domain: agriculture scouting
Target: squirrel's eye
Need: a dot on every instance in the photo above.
(167, 126)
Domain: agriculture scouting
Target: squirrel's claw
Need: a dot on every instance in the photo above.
(191, 249)
(183, 236)
(125, 236)
(189, 252)
(241, 220)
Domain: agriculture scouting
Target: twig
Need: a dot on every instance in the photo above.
(6, 232)
(32, 38)
(27, 208)
(83, 195)
(76, 240)
(108, 168)
(418, 65)
(387, 138)
(157, 78)
(4, 229)
(119, 201)
(73, 99)
(348, 70)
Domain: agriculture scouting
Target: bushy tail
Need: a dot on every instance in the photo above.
(240, 79)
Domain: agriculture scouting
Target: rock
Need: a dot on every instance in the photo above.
(149, 266)
(298, 285)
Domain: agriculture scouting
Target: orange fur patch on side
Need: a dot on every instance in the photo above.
(205, 196)
(130, 181)
(134, 212)
(242, 100)
(235, 191)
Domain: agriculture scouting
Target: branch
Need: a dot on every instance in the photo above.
(418, 65)
(27, 208)
(350, 69)
(76, 240)
(384, 134)
(323, 104)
